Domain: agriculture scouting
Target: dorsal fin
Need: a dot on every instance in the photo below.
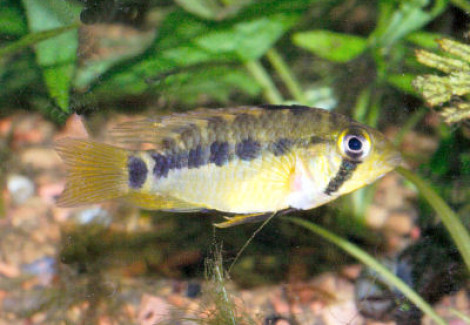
(204, 126)
(152, 131)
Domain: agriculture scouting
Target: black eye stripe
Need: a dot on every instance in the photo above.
(344, 173)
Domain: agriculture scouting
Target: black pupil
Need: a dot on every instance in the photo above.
(354, 144)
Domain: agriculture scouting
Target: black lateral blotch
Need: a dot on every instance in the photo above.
(137, 172)
(248, 149)
(162, 165)
(281, 146)
(196, 157)
(219, 153)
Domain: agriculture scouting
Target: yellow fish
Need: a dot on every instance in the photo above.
(247, 161)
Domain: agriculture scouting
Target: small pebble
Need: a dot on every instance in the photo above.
(20, 187)
(96, 215)
(44, 268)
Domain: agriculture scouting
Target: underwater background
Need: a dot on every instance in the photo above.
(79, 68)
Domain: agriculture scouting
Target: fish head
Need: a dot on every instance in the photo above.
(362, 155)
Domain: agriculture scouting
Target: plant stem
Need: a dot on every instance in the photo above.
(409, 125)
(286, 75)
(362, 103)
(371, 262)
(373, 114)
(461, 315)
(451, 221)
(258, 72)
(219, 279)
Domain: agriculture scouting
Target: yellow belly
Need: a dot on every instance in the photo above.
(261, 185)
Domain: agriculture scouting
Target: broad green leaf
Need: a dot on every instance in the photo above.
(331, 46)
(56, 56)
(409, 16)
(216, 83)
(247, 40)
(187, 42)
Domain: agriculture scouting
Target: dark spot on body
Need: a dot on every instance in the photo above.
(196, 157)
(219, 153)
(344, 173)
(137, 172)
(281, 146)
(248, 149)
(162, 165)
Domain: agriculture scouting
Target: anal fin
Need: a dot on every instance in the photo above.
(242, 219)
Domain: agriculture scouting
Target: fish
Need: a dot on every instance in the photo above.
(247, 161)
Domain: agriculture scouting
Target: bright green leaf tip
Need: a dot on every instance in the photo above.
(331, 46)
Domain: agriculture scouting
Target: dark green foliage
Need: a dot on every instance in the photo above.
(200, 47)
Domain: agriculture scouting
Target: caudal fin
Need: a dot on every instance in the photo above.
(96, 172)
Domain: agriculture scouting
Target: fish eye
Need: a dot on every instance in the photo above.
(354, 143)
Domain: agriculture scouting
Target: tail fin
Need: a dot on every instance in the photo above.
(95, 172)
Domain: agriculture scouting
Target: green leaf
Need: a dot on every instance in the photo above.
(216, 83)
(188, 42)
(403, 82)
(56, 56)
(12, 22)
(425, 39)
(331, 46)
(395, 23)
(247, 40)
(32, 39)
